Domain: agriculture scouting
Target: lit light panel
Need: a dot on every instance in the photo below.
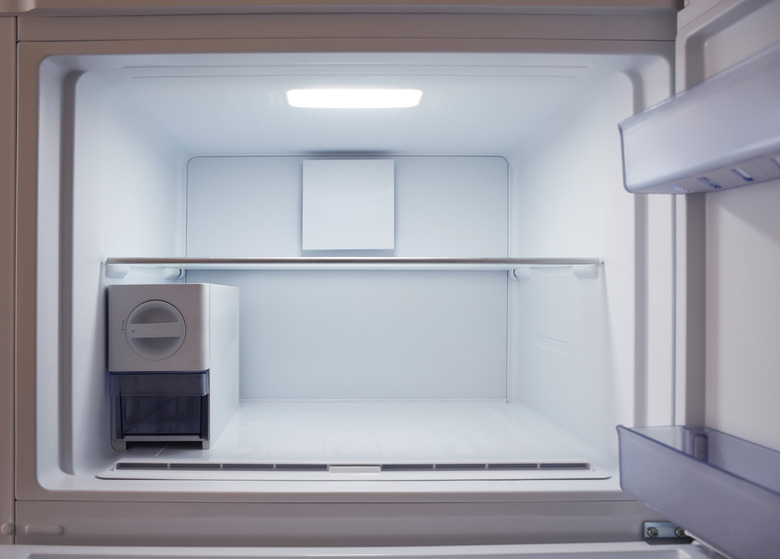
(354, 98)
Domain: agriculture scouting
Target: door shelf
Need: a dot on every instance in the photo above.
(716, 135)
(722, 489)
(581, 267)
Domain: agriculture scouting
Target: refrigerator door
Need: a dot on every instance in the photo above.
(687, 133)
(634, 550)
(726, 249)
(707, 141)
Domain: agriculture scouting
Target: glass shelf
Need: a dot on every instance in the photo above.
(582, 267)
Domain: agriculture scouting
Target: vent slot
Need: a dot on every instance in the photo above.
(195, 466)
(406, 467)
(564, 466)
(141, 466)
(302, 467)
(744, 175)
(249, 467)
(461, 467)
(518, 466)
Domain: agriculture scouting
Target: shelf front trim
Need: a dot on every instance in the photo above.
(117, 267)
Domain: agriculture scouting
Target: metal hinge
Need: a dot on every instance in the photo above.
(664, 532)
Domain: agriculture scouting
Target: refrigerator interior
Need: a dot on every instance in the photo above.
(464, 374)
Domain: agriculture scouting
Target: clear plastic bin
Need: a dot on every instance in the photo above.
(722, 133)
(724, 490)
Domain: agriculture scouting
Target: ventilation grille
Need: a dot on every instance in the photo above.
(238, 466)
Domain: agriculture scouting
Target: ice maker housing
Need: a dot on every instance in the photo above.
(172, 362)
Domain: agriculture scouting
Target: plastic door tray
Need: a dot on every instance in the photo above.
(722, 489)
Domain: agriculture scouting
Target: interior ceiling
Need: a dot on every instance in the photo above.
(471, 104)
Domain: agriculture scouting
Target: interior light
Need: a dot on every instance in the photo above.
(353, 98)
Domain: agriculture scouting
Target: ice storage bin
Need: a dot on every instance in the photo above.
(722, 489)
(159, 404)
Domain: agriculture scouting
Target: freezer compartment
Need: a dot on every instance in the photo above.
(172, 168)
(722, 489)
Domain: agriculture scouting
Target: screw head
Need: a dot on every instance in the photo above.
(680, 532)
(652, 531)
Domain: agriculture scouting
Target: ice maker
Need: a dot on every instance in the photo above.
(173, 362)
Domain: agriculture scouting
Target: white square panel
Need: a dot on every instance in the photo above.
(349, 204)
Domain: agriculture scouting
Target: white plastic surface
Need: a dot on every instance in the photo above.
(251, 207)
(370, 335)
(340, 334)
(742, 266)
(155, 330)
(156, 336)
(224, 346)
(348, 204)
(475, 440)
(181, 308)
(573, 355)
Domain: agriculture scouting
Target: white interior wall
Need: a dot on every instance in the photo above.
(144, 171)
(49, 446)
(371, 335)
(743, 264)
(128, 200)
(572, 344)
(361, 335)
(251, 206)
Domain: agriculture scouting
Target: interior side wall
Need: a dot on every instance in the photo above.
(43, 237)
(127, 200)
(572, 339)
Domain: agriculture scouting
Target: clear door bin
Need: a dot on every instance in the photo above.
(722, 133)
(725, 491)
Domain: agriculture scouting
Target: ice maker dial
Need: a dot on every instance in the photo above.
(155, 330)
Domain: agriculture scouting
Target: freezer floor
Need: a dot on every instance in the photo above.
(442, 440)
